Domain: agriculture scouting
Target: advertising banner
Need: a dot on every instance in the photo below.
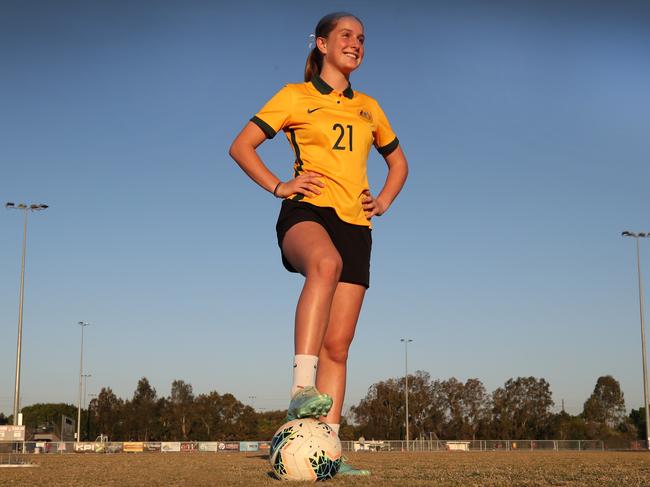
(113, 447)
(133, 447)
(264, 446)
(84, 447)
(189, 446)
(170, 446)
(208, 445)
(12, 433)
(152, 446)
(249, 445)
(229, 446)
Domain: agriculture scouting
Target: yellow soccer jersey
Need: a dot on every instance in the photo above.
(331, 133)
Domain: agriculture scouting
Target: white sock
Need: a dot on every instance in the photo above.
(304, 372)
(335, 427)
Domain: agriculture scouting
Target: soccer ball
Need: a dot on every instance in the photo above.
(305, 449)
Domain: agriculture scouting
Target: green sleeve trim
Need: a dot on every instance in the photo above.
(266, 128)
(388, 148)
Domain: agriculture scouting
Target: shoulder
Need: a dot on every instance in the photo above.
(368, 101)
(364, 98)
(297, 88)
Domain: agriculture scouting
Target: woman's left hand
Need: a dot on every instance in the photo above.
(371, 205)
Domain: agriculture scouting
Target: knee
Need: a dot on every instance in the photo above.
(336, 352)
(327, 268)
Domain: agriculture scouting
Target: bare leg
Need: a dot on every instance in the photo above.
(308, 247)
(332, 361)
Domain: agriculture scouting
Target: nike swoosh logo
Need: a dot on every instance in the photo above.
(312, 111)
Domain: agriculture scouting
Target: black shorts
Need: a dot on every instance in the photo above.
(353, 242)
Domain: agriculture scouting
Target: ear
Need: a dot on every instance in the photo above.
(321, 44)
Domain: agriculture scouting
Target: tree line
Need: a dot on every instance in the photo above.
(438, 409)
(521, 409)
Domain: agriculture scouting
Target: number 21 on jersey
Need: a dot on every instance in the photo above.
(341, 130)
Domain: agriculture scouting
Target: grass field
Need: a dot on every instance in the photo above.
(417, 469)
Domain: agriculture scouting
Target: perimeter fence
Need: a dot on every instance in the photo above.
(422, 445)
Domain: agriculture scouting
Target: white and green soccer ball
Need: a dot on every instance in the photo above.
(305, 449)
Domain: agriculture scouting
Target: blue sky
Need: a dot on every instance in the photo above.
(525, 125)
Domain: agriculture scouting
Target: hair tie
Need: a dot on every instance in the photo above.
(312, 40)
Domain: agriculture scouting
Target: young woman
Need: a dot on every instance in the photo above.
(324, 226)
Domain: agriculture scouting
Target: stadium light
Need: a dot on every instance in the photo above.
(19, 347)
(636, 236)
(83, 325)
(406, 385)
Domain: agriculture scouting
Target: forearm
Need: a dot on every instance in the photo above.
(243, 151)
(247, 158)
(395, 179)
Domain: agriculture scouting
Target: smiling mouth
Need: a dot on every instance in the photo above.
(351, 55)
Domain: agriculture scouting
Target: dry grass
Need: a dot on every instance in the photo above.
(403, 469)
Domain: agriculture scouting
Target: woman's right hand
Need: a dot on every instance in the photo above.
(307, 184)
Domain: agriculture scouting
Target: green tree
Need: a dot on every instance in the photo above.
(381, 414)
(637, 418)
(466, 407)
(567, 427)
(606, 404)
(237, 419)
(3, 419)
(107, 410)
(47, 414)
(143, 415)
(206, 408)
(180, 409)
(521, 409)
(269, 421)
(423, 408)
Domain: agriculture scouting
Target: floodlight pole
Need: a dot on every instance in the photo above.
(19, 346)
(643, 344)
(82, 324)
(85, 376)
(406, 385)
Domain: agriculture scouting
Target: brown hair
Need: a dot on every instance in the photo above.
(323, 28)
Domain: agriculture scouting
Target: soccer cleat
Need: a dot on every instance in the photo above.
(308, 403)
(347, 469)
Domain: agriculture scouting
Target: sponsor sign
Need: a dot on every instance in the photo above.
(84, 447)
(170, 446)
(114, 447)
(152, 446)
(189, 446)
(229, 446)
(208, 445)
(249, 446)
(12, 433)
(264, 445)
(133, 447)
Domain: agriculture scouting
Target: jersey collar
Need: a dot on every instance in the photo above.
(326, 89)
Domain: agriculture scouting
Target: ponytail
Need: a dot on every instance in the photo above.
(314, 64)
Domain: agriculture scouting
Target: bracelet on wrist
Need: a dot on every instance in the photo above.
(276, 189)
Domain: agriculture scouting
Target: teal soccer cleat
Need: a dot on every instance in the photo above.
(308, 403)
(347, 469)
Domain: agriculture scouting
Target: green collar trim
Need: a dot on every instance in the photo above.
(326, 89)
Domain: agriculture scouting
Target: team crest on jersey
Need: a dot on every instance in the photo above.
(366, 115)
